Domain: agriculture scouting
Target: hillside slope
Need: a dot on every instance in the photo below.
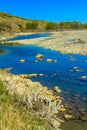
(12, 24)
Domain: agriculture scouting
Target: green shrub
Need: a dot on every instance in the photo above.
(33, 25)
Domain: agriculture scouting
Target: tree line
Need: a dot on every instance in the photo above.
(42, 26)
(58, 26)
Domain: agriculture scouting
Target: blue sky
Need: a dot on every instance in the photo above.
(51, 10)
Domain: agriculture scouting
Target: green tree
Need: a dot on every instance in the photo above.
(85, 25)
(33, 25)
(50, 26)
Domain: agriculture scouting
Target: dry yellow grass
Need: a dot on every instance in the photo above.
(13, 116)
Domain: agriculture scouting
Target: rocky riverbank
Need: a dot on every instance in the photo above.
(35, 97)
(63, 41)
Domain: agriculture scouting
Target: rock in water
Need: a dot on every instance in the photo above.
(40, 56)
(84, 77)
(57, 90)
(68, 117)
(22, 60)
(77, 70)
(49, 60)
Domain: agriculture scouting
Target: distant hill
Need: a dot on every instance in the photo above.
(12, 24)
(9, 23)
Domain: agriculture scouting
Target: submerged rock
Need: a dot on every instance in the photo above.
(84, 118)
(36, 61)
(55, 60)
(72, 59)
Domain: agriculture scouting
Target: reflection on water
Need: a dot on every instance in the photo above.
(2, 51)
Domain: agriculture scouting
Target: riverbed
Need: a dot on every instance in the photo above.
(61, 71)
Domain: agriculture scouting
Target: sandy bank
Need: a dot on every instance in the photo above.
(11, 35)
(63, 41)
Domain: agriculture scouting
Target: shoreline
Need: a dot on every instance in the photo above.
(41, 101)
(74, 42)
(10, 35)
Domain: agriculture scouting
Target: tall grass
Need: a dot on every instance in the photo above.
(13, 116)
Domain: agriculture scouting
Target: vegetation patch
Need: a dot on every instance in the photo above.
(13, 116)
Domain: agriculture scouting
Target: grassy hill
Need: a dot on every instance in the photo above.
(9, 23)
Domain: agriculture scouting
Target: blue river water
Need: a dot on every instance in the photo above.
(61, 73)
(29, 36)
(54, 73)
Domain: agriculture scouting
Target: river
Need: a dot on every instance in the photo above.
(63, 73)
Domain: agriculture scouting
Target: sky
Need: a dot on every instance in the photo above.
(49, 10)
